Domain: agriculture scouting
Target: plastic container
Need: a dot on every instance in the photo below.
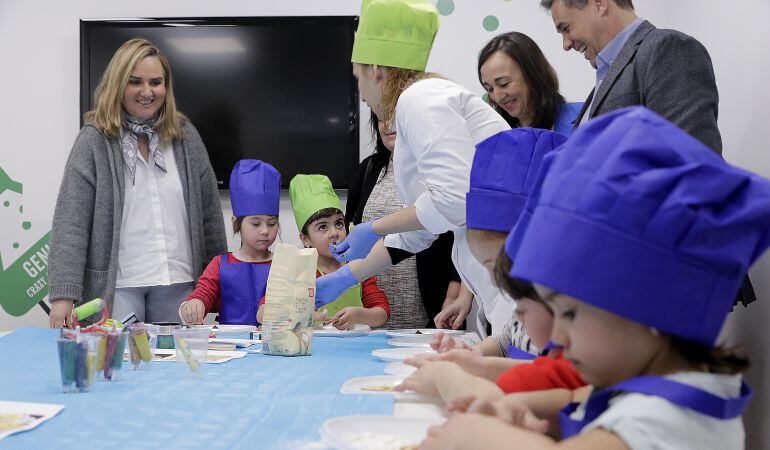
(191, 346)
(76, 362)
(109, 356)
(142, 339)
(165, 338)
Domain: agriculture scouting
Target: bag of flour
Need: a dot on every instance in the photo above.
(287, 327)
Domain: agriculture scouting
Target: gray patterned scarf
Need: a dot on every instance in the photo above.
(129, 142)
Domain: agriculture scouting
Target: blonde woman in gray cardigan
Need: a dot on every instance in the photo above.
(138, 214)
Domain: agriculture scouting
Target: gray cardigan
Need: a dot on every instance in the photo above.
(83, 258)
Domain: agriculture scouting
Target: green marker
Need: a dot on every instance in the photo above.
(88, 309)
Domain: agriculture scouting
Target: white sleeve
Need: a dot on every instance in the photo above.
(412, 241)
(443, 148)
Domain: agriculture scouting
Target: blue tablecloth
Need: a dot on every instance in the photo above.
(255, 402)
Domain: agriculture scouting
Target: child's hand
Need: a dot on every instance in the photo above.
(346, 317)
(192, 312)
(319, 316)
(506, 409)
(420, 360)
(443, 343)
(423, 380)
(460, 404)
(470, 361)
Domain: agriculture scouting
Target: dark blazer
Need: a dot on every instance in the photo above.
(434, 264)
(670, 73)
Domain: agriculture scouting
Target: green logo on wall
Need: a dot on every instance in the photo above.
(23, 254)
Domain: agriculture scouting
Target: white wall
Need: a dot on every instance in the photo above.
(39, 120)
(736, 35)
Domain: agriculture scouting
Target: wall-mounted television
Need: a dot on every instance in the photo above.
(279, 89)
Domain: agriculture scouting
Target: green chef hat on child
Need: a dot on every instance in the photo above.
(395, 33)
(310, 194)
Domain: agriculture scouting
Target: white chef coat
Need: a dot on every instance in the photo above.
(438, 124)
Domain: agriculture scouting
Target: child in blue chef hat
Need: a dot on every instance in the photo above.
(233, 283)
(639, 240)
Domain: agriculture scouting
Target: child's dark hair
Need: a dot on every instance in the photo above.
(515, 287)
(322, 214)
(722, 360)
(237, 224)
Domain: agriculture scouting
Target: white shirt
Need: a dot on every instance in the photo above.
(155, 244)
(648, 422)
(438, 124)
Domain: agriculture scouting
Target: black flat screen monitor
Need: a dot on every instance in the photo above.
(279, 89)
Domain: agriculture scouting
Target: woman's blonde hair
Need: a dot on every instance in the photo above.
(107, 114)
(396, 82)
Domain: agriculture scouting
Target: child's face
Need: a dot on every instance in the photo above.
(259, 231)
(485, 246)
(322, 232)
(605, 348)
(538, 320)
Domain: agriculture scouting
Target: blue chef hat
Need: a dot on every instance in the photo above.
(255, 188)
(513, 241)
(638, 218)
(504, 171)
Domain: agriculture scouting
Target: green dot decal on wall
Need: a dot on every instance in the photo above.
(445, 7)
(26, 225)
(15, 245)
(6, 203)
(491, 23)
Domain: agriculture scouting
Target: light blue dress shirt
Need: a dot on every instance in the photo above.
(607, 56)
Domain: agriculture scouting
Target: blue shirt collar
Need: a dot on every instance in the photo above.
(607, 56)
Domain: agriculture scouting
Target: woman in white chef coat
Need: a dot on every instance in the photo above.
(437, 124)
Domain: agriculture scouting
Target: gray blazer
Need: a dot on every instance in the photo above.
(669, 73)
(83, 258)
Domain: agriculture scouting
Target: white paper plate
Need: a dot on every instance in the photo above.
(329, 331)
(237, 342)
(413, 333)
(399, 353)
(212, 356)
(375, 432)
(369, 385)
(399, 368)
(407, 342)
(221, 330)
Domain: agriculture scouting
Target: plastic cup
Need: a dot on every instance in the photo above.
(110, 350)
(191, 345)
(142, 339)
(76, 363)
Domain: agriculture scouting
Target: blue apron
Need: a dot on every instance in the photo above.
(241, 286)
(517, 353)
(679, 394)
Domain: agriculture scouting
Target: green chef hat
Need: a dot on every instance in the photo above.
(310, 194)
(395, 33)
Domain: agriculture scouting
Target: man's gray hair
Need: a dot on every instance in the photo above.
(580, 4)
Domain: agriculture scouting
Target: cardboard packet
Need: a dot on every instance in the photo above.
(287, 329)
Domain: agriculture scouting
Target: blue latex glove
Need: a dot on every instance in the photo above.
(358, 243)
(330, 286)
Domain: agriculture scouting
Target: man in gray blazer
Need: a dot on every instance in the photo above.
(667, 71)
